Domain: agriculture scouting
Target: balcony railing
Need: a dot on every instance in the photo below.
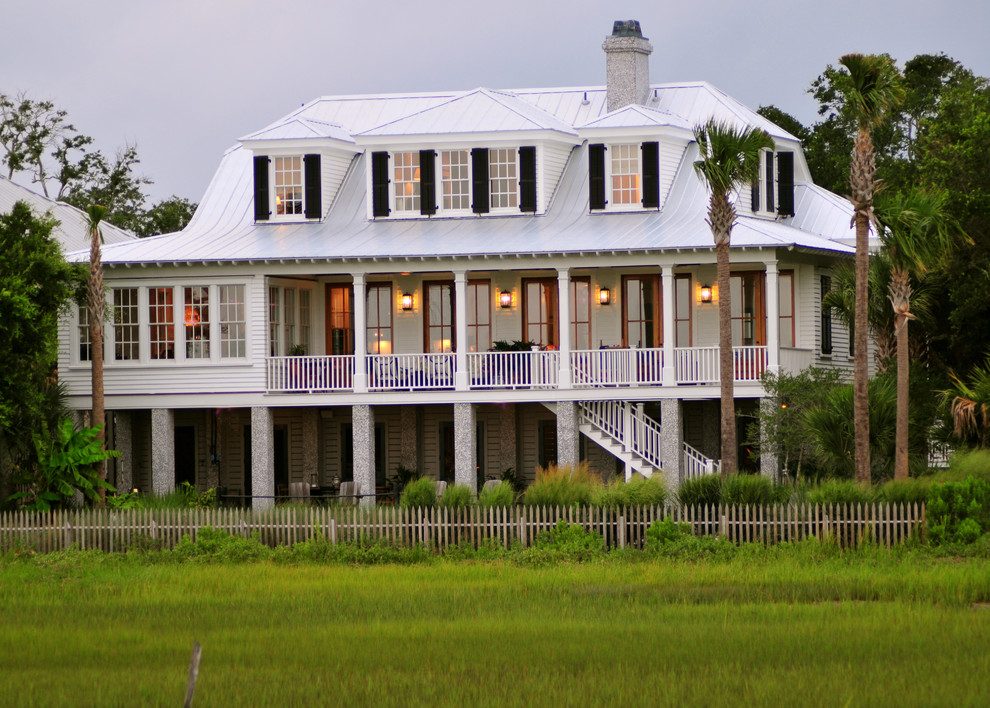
(533, 370)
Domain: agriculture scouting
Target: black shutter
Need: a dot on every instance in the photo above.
(596, 176)
(769, 180)
(527, 178)
(826, 284)
(479, 180)
(379, 184)
(261, 210)
(785, 183)
(651, 175)
(427, 183)
(754, 195)
(314, 186)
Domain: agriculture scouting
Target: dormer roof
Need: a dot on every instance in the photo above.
(298, 128)
(634, 116)
(479, 111)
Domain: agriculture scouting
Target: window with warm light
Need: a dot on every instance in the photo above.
(439, 316)
(625, 175)
(479, 316)
(126, 330)
(379, 316)
(288, 174)
(196, 303)
(405, 177)
(161, 321)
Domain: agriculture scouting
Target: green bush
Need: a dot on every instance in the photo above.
(217, 544)
(958, 511)
(637, 491)
(701, 491)
(753, 489)
(963, 465)
(667, 539)
(838, 491)
(456, 496)
(912, 491)
(501, 494)
(363, 552)
(419, 493)
(560, 486)
(563, 543)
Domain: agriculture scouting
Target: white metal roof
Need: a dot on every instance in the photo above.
(72, 231)
(226, 230)
(637, 117)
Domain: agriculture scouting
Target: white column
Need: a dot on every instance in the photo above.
(460, 327)
(262, 457)
(360, 335)
(466, 446)
(773, 318)
(669, 331)
(564, 326)
(363, 440)
(162, 451)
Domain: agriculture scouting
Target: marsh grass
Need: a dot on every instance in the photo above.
(806, 622)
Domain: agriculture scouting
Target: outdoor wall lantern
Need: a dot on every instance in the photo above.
(604, 296)
(706, 294)
(407, 302)
(505, 299)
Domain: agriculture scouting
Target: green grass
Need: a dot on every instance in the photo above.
(770, 627)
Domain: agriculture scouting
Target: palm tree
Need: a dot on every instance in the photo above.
(872, 87)
(916, 233)
(729, 157)
(96, 305)
(969, 406)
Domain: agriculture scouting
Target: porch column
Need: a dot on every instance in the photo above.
(363, 426)
(262, 457)
(360, 335)
(671, 441)
(769, 464)
(465, 446)
(773, 318)
(564, 330)
(568, 435)
(311, 445)
(669, 331)
(162, 451)
(460, 331)
(122, 441)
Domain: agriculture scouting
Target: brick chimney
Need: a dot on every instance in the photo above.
(627, 65)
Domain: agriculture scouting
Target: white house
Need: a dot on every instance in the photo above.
(337, 306)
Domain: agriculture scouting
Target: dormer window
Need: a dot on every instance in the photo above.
(471, 180)
(772, 193)
(624, 176)
(287, 187)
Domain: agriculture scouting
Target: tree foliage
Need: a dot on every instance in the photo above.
(36, 284)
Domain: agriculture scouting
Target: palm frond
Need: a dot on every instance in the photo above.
(874, 86)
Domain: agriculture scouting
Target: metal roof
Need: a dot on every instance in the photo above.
(72, 231)
(637, 117)
(226, 230)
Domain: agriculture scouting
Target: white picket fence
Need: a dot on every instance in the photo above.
(439, 529)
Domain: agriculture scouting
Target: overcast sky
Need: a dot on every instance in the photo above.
(183, 79)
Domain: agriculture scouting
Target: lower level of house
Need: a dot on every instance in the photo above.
(256, 455)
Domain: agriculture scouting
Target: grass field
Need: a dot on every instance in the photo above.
(865, 630)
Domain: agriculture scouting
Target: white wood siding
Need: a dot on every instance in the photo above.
(671, 156)
(333, 167)
(549, 168)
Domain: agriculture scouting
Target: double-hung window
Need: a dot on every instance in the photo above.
(624, 176)
(289, 328)
(287, 187)
(126, 325)
(453, 182)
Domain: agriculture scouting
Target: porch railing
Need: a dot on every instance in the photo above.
(590, 368)
(699, 365)
(310, 374)
(696, 464)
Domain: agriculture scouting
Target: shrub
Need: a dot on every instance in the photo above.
(666, 538)
(217, 544)
(839, 491)
(456, 496)
(560, 486)
(637, 491)
(701, 491)
(914, 491)
(751, 489)
(501, 494)
(419, 493)
(402, 477)
(958, 511)
(963, 465)
(563, 542)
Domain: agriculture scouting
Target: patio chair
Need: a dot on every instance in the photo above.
(349, 493)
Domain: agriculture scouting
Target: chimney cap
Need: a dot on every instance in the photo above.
(626, 28)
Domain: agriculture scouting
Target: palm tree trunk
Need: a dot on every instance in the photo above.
(862, 172)
(726, 373)
(96, 307)
(900, 297)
